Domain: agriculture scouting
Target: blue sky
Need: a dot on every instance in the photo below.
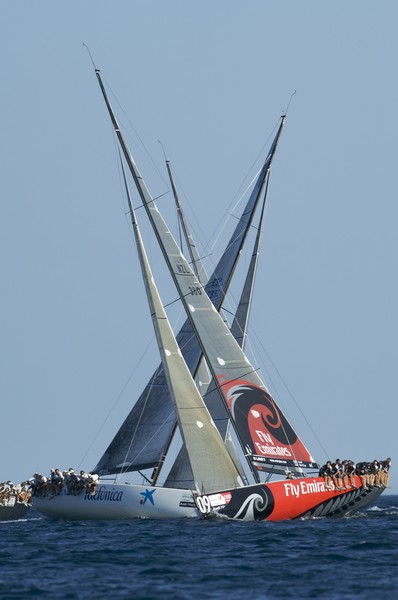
(209, 80)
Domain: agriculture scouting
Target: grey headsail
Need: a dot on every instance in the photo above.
(211, 464)
(142, 438)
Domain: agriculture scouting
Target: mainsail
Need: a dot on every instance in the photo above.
(265, 434)
(211, 464)
(141, 440)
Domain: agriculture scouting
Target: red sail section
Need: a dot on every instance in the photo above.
(264, 430)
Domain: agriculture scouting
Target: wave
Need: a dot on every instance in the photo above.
(23, 520)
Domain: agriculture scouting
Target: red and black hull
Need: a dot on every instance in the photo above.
(287, 499)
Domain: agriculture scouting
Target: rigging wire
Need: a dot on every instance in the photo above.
(274, 386)
(178, 220)
(208, 247)
(249, 341)
(150, 386)
(224, 219)
(228, 214)
(116, 401)
(146, 151)
(288, 104)
(134, 129)
(233, 303)
(89, 53)
(106, 419)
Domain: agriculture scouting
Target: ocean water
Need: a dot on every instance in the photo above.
(354, 557)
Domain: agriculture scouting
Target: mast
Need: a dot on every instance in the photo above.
(193, 253)
(241, 319)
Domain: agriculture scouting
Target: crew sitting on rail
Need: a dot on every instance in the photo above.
(90, 480)
(350, 468)
(37, 484)
(57, 481)
(334, 473)
(326, 472)
(372, 474)
(340, 474)
(384, 472)
(9, 491)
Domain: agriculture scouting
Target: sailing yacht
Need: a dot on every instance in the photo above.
(143, 440)
(216, 483)
(268, 441)
(12, 510)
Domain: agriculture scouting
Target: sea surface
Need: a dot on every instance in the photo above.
(355, 557)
